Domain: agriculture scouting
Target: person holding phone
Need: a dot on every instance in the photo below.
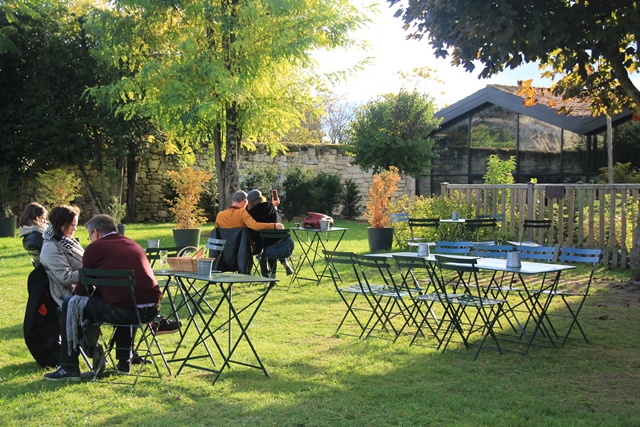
(280, 249)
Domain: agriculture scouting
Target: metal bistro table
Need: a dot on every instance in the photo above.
(312, 245)
(206, 315)
(454, 229)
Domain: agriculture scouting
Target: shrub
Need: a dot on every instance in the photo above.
(351, 200)
(382, 188)
(188, 184)
(326, 194)
(58, 187)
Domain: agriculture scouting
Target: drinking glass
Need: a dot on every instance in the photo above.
(163, 258)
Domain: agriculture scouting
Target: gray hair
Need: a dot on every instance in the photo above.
(103, 223)
(239, 196)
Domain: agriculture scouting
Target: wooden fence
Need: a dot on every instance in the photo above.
(583, 215)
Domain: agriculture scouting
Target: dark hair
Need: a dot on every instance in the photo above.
(255, 202)
(61, 217)
(103, 223)
(31, 214)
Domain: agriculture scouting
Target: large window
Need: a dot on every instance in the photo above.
(536, 135)
(494, 127)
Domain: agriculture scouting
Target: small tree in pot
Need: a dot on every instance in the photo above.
(188, 183)
(382, 189)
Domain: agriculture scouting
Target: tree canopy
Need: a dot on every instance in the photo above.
(394, 131)
(224, 73)
(589, 48)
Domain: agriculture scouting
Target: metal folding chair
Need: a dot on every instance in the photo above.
(94, 278)
(535, 232)
(570, 290)
(424, 230)
(484, 311)
(396, 219)
(452, 248)
(485, 250)
(479, 229)
(356, 296)
(393, 302)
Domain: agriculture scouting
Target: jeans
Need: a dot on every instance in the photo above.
(270, 254)
(98, 311)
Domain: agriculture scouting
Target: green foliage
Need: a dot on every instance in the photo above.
(590, 58)
(117, 210)
(327, 193)
(297, 191)
(351, 200)
(188, 183)
(623, 173)
(499, 171)
(8, 190)
(58, 187)
(483, 136)
(264, 178)
(394, 131)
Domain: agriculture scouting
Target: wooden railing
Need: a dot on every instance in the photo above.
(583, 215)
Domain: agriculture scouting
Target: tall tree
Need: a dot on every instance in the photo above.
(394, 131)
(225, 72)
(590, 48)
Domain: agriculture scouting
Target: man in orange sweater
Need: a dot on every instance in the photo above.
(237, 216)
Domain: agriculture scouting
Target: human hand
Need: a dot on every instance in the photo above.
(275, 202)
(279, 226)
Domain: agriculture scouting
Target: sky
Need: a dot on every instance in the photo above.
(390, 52)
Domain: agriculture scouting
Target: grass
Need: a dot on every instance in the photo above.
(319, 378)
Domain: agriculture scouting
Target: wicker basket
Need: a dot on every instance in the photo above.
(181, 263)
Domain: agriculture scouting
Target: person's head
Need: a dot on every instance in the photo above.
(64, 220)
(33, 214)
(99, 225)
(254, 198)
(239, 198)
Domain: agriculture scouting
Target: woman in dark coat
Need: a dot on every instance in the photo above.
(280, 249)
(33, 222)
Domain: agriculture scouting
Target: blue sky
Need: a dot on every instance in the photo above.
(391, 52)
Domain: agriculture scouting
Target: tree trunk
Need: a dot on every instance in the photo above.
(133, 165)
(90, 192)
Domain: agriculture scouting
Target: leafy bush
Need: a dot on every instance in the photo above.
(382, 188)
(58, 187)
(351, 200)
(326, 194)
(297, 190)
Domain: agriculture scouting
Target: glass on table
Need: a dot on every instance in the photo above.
(162, 257)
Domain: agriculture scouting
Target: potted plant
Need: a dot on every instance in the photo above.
(8, 199)
(380, 234)
(118, 212)
(188, 184)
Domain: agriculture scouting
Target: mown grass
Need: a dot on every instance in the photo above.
(319, 378)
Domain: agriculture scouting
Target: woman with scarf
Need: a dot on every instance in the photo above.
(61, 254)
(33, 223)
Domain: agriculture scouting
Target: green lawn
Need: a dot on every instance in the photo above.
(319, 378)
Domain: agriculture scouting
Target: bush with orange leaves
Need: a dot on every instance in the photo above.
(383, 186)
(188, 184)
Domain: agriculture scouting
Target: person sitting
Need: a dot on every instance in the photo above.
(32, 224)
(237, 216)
(273, 249)
(61, 254)
(110, 250)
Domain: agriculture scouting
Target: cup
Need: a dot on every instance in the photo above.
(423, 249)
(455, 216)
(153, 243)
(297, 225)
(513, 260)
(324, 224)
(204, 267)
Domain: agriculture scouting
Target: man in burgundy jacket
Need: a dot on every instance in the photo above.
(110, 250)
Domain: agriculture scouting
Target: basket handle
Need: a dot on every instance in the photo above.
(186, 248)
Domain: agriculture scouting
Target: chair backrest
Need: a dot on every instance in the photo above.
(491, 251)
(536, 253)
(372, 268)
(236, 255)
(215, 247)
(397, 218)
(98, 278)
(465, 272)
(473, 227)
(335, 258)
(532, 227)
(153, 254)
(501, 218)
(418, 223)
(452, 248)
(578, 255)
(410, 267)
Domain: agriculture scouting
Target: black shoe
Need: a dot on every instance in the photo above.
(162, 325)
(288, 270)
(62, 374)
(123, 367)
(138, 360)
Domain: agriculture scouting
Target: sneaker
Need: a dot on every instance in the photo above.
(162, 325)
(123, 367)
(62, 374)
